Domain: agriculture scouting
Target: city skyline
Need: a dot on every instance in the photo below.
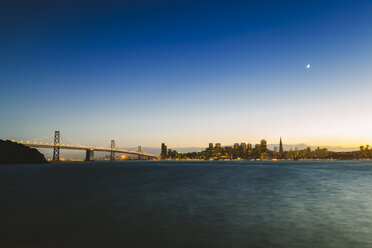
(262, 151)
(187, 73)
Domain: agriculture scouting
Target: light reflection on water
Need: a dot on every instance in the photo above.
(187, 204)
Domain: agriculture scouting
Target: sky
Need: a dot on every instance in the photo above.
(187, 72)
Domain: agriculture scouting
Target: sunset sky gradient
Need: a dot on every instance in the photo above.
(187, 72)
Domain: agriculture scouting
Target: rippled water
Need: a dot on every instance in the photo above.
(187, 204)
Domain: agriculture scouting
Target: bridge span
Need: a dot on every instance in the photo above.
(56, 146)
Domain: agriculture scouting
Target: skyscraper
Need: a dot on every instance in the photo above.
(242, 150)
(164, 151)
(281, 147)
(217, 148)
(236, 150)
(263, 145)
(257, 147)
(210, 151)
(249, 147)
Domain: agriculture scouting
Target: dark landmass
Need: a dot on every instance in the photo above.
(15, 153)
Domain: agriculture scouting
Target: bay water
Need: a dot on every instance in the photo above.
(187, 204)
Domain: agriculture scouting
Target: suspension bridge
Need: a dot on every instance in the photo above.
(89, 154)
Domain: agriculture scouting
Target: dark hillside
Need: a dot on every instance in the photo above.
(15, 153)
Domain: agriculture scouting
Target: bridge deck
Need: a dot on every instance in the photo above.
(88, 148)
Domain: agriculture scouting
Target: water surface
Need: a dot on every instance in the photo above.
(187, 204)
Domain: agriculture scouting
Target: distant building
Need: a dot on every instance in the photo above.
(236, 149)
(281, 151)
(164, 151)
(218, 149)
(228, 148)
(276, 149)
(263, 145)
(361, 148)
(242, 150)
(249, 147)
(210, 146)
(367, 147)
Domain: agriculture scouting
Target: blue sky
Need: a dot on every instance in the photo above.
(187, 72)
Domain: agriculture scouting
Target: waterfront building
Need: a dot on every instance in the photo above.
(276, 149)
(218, 149)
(228, 149)
(210, 152)
(257, 150)
(249, 147)
(236, 150)
(164, 151)
(281, 151)
(242, 150)
(210, 146)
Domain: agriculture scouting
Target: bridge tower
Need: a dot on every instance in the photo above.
(89, 155)
(139, 150)
(57, 139)
(112, 153)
